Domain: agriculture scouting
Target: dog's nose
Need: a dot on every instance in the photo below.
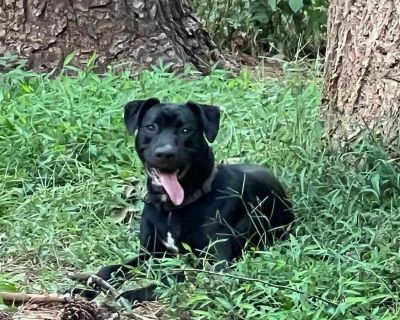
(165, 152)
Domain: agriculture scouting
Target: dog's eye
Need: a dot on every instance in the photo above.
(186, 131)
(151, 127)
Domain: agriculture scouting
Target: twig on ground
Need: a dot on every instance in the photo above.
(12, 297)
(94, 282)
(160, 310)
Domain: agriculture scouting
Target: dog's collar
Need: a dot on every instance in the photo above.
(166, 203)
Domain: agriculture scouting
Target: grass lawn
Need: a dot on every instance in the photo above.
(66, 162)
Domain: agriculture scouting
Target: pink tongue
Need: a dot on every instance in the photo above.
(172, 186)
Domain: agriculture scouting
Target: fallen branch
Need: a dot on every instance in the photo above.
(13, 297)
(96, 282)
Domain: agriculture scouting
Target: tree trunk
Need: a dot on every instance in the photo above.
(362, 72)
(129, 34)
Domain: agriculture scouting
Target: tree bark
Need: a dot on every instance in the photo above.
(129, 34)
(362, 72)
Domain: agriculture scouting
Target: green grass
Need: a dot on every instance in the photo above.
(65, 159)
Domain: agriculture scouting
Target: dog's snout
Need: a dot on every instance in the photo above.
(165, 152)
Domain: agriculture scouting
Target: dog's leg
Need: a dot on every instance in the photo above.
(107, 272)
(224, 252)
(121, 270)
(148, 293)
(140, 294)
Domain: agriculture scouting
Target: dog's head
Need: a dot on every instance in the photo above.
(170, 138)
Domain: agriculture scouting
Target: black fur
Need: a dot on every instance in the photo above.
(245, 204)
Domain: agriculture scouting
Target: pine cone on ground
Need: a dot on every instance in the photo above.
(5, 316)
(80, 310)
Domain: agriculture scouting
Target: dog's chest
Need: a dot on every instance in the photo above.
(172, 237)
(183, 227)
(170, 243)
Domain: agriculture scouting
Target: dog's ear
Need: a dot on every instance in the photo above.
(134, 112)
(209, 116)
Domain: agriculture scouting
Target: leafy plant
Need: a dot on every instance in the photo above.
(289, 27)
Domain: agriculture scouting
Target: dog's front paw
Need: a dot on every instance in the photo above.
(139, 295)
(92, 291)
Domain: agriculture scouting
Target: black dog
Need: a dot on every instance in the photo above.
(190, 199)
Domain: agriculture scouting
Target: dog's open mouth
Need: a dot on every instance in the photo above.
(170, 182)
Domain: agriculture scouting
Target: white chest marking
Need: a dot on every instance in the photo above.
(170, 243)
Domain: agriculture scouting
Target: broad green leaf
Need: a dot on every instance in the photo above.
(272, 4)
(197, 298)
(224, 302)
(186, 247)
(375, 180)
(69, 58)
(7, 287)
(296, 5)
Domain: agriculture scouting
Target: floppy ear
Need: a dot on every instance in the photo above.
(209, 116)
(134, 112)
